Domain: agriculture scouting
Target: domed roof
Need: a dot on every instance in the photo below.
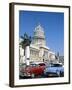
(39, 32)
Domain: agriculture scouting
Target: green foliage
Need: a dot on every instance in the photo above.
(26, 40)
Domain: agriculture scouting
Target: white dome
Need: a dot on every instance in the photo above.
(39, 32)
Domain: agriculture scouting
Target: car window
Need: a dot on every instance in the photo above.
(22, 65)
(33, 65)
(56, 65)
(42, 64)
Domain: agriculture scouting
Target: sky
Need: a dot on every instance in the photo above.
(53, 24)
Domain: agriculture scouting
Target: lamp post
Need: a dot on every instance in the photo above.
(58, 56)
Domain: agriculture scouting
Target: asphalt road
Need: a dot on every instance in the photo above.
(43, 76)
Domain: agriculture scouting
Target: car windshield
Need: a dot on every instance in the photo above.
(42, 64)
(56, 65)
(33, 65)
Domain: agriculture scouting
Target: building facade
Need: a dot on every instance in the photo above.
(39, 51)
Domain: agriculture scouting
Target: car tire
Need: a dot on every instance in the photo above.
(61, 74)
(58, 73)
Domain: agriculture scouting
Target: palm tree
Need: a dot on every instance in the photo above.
(26, 41)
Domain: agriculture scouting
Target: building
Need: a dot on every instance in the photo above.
(39, 52)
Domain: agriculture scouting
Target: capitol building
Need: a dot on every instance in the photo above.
(39, 51)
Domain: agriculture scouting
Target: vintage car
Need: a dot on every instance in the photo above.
(33, 70)
(54, 70)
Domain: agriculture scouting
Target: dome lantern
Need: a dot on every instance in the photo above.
(39, 32)
(39, 36)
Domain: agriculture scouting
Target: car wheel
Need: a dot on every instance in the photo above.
(32, 75)
(58, 73)
(61, 74)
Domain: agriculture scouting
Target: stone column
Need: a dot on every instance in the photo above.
(27, 55)
(21, 54)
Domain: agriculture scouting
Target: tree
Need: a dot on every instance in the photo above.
(26, 41)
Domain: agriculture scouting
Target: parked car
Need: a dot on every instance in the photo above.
(21, 69)
(54, 70)
(33, 70)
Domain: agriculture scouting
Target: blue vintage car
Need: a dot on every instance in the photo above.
(54, 70)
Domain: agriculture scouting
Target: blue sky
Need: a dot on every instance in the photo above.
(52, 22)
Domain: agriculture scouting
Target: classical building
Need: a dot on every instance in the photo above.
(39, 52)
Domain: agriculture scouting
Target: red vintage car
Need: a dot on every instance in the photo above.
(33, 70)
